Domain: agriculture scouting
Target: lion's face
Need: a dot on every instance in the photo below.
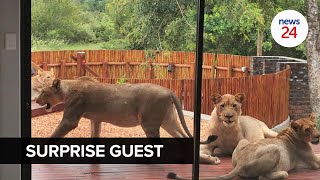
(228, 107)
(47, 77)
(50, 96)
(306, 129)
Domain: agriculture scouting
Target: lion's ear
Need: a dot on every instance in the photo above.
(56, 83)
(295, 126)
(313, 117)
(240, 97)
(40, 72)
(216, 98)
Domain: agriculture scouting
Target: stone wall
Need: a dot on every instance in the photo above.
(299, 97)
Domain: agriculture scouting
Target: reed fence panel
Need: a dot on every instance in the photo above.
(141, 64)
(266, 102)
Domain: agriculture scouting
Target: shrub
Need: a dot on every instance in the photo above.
(122, 80)
(54, 43)
(116, 44)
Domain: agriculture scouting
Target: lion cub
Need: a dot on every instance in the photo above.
(230, 127)
(40, 81)
(272, 158)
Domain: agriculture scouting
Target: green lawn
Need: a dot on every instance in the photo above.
(91, 46)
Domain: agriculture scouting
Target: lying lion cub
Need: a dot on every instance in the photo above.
(231, 127)
(272, 158)
(40, 81)
(127, 105)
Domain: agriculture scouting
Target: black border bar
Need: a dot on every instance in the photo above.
(197, 86)
(25, 78)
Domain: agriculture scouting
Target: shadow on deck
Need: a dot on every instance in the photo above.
(145, 171)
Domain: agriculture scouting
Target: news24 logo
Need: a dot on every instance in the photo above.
(289, 28)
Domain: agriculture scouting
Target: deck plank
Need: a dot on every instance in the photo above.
(145, 171)
(37, 110)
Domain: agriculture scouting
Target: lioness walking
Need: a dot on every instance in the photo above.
(127, 105)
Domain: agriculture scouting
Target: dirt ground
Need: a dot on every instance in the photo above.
(43, 126)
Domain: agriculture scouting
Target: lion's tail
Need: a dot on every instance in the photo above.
(230, 175)
(172, 175)
(180, 113)
(235, 172)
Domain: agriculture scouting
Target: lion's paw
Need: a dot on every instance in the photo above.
(33, 98)
(214, 160)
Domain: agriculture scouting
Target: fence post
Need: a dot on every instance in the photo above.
(172, 72)
(80, 63)
(181, 98)
(229, 69)
(83, 70)
(213, 72)
(192, 70)
(62, 69)
(128, 69)
(149, 70)
(287, 66)
(45, 66)
(104, 69)
(246, 72)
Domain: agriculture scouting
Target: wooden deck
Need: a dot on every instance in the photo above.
(37, 110)
(144, 171)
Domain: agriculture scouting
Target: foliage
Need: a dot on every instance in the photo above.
(59, 19)
(116, 44)
(122, 80)
(53, 43)
(167, 25)
(94, 5)
(232, 24)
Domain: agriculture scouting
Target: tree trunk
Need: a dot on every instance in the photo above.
(259, 42)
(313, 54)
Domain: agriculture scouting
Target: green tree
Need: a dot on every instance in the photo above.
(146, 28)
(60, 19)
(232, 26)
(94, 5)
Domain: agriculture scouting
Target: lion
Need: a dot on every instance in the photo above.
(125, 105)
(230, 126)
(272, 158)
(40, 81)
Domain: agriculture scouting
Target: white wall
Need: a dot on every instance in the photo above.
(9, 82)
